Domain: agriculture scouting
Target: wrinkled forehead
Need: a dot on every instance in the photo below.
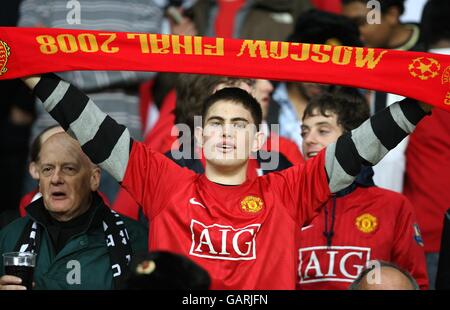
(60, 147)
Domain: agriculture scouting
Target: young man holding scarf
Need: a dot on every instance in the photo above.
(242, 231)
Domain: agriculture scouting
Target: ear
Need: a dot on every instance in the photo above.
(95, 178)
(198, 133)
(258, 141)
(33, 170)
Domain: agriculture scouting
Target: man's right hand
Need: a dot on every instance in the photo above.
(11, 283)
(31, 81)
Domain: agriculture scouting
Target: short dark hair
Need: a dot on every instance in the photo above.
(36, 145)
(385, 5)
(349, 105)
(434, 24)
(319, 27)
(238, 96)
(356, 285)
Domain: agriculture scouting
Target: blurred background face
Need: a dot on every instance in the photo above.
(66, 177)
(262, 90)
(372, 35)
(229, 134)
(310, 90)
(318, 131)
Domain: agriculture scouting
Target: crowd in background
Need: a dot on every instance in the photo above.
(409, 185)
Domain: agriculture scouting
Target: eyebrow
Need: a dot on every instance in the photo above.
(322, 123)
(62, 164)
(315, 124)
(234, 119)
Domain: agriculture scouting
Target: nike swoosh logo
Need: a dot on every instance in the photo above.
(194, 202)
(306, 227)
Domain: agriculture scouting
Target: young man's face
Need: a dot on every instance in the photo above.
(229, 134)
(372, 35)
(318, 131)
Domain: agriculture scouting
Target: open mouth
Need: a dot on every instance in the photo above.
(58, 195)
(225, 147)
(312, 154)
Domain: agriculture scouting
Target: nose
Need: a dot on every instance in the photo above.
(227, 130)
(310, 138)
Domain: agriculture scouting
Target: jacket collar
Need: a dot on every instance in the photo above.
(363, 179)
(91, 218)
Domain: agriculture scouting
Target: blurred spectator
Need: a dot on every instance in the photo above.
(389, 33)
(312, 27)
(161, 270)
(250, 19)
(361, 221)
(114, 91)
(384, 276)
(428, 153)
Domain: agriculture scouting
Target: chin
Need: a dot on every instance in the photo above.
(228, 163)
(58, 207)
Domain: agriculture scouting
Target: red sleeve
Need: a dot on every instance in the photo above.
(303, 188)
(291, 151)
(150, 176)
(408, 251)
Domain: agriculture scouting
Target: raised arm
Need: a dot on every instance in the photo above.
(103, 140)
(370, 142)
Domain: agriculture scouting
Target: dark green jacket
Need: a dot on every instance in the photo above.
(88, 248)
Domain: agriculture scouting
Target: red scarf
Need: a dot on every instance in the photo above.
(423, 76)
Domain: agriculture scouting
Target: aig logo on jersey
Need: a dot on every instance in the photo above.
(335, 263)
(223, 242)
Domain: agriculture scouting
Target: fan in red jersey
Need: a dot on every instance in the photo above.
(359, 223)
(241, 230)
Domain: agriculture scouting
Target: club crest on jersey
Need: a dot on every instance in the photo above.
(252, 204)
(366, 223)
(5, 51)
(417, 235)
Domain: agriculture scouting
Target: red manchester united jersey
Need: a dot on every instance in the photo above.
(370, 223)
(244, 236)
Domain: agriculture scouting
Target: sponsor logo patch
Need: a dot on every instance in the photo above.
(223, 242)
